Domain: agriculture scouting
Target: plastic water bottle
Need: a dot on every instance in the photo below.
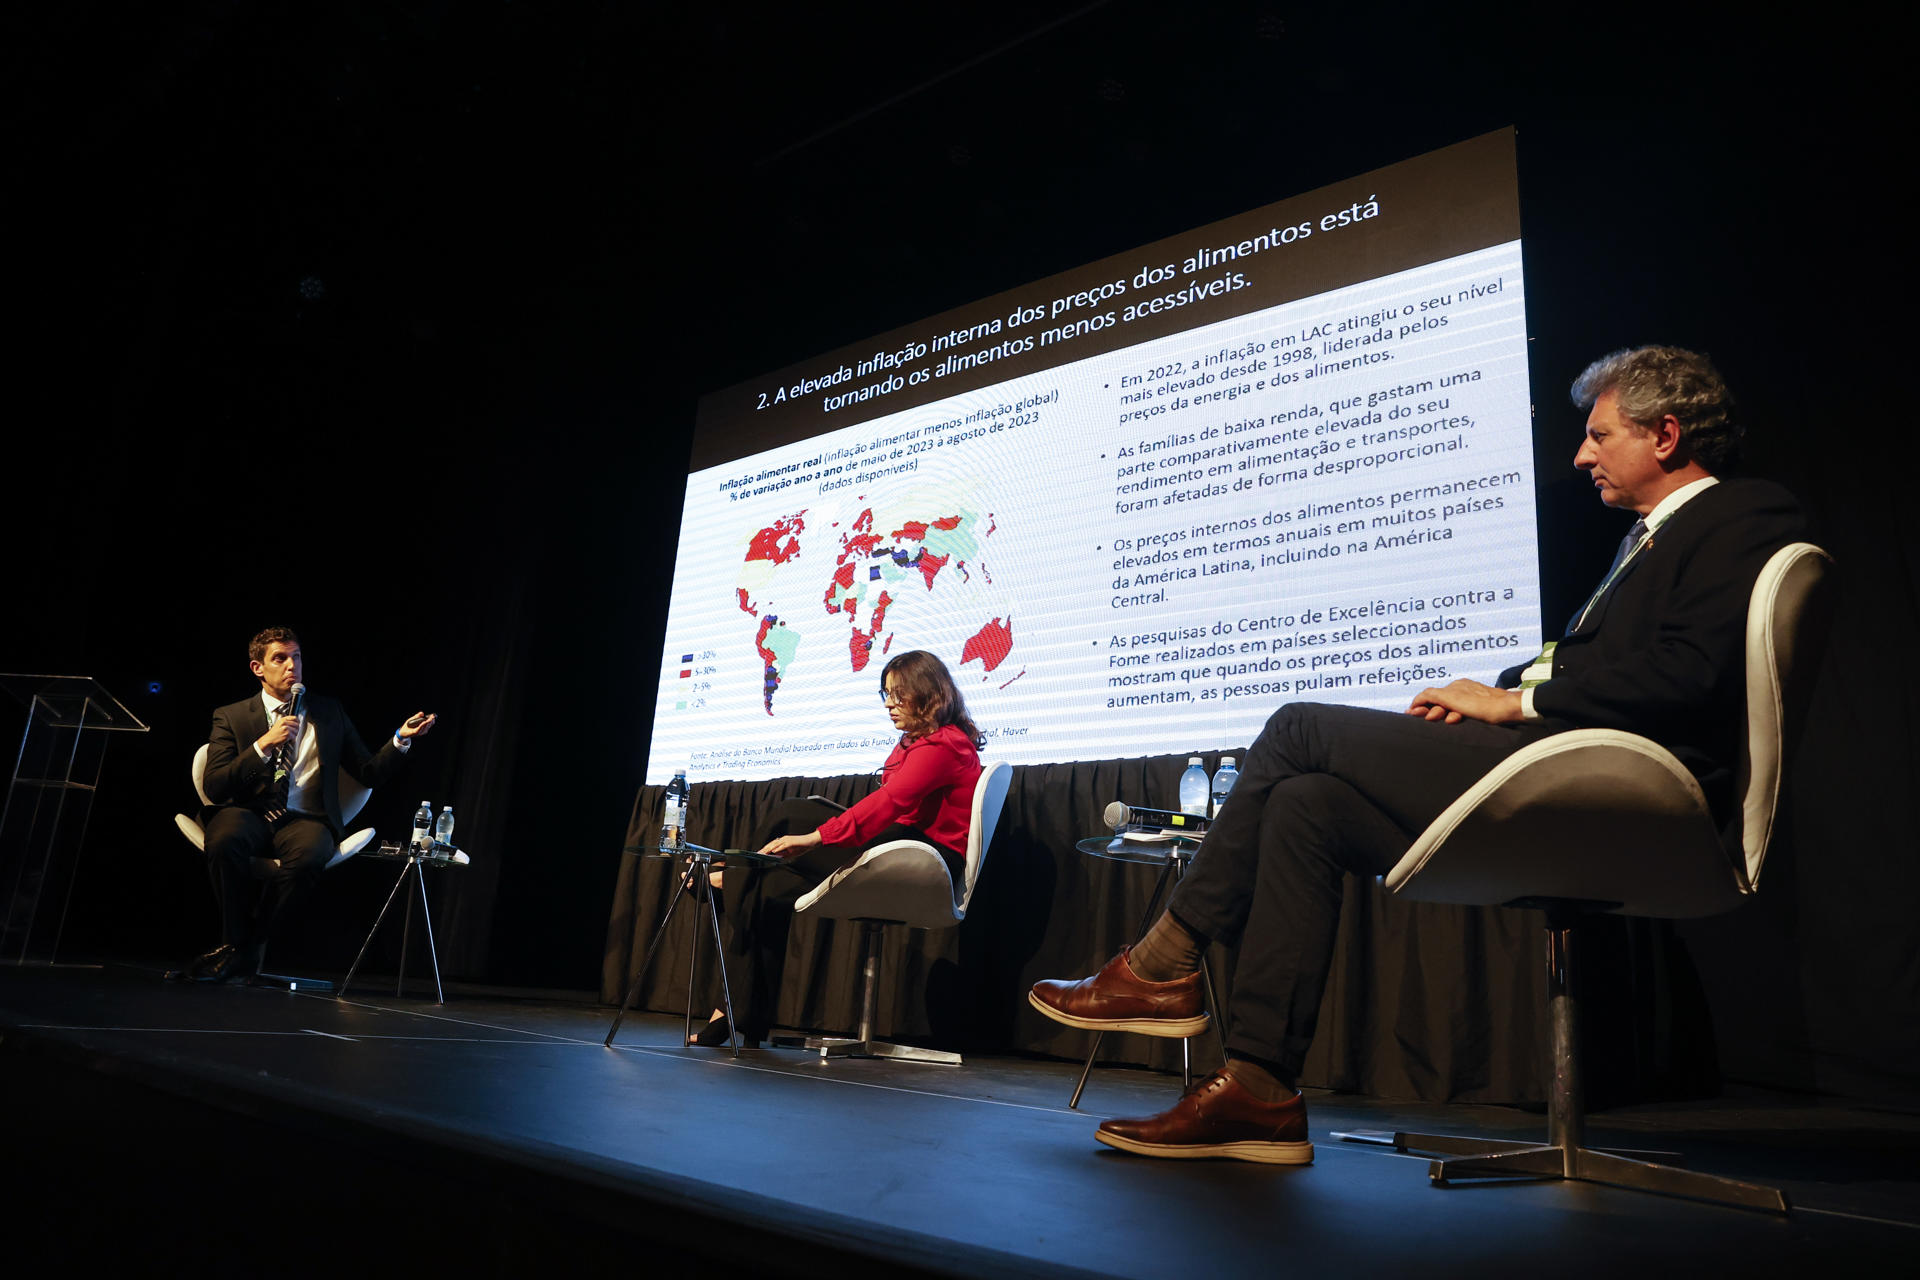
(1223, 779)
(1193, 788)
(423, 825)
(443, 829)
(673, 830)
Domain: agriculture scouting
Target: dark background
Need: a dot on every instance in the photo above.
(460, 272)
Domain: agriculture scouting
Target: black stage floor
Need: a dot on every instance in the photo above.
(189, 1127)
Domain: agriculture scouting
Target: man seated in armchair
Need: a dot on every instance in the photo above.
(273, 764)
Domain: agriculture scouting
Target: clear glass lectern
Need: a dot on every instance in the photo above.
(49, 799)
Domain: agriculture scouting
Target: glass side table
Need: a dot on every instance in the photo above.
(700, 862)
(1172, 855)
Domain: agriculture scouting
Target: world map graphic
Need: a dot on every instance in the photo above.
(881, 571)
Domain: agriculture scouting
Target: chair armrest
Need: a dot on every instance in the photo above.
(351, 845)
(1595, 815)
(903, 881)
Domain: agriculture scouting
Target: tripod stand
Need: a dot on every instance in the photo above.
(698, 868)
(414, 861)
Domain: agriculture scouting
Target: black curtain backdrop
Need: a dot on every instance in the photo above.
(461, 273)
(1424, 1001)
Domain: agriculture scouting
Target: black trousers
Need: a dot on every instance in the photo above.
(758, 901)
(254, 895)
(1324, 791)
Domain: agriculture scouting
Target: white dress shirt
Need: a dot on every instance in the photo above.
(303, 789)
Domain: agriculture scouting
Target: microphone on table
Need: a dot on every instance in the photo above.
(1121, 817)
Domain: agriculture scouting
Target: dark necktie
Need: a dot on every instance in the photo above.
(282, 775)
(1620, 558)
(1540, 669)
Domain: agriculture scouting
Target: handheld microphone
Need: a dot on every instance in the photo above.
(1121, 816)
(298, 707)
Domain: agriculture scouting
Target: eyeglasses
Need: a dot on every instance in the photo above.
(889, 699)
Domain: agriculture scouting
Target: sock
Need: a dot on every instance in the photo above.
(1170, 950)
(1261, 1080)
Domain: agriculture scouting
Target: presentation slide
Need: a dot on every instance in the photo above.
(1135, 507)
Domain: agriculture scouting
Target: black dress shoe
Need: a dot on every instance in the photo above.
(190, 971)
(716, 1033)
(237, 962)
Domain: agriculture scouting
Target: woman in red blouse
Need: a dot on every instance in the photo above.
(926, 793)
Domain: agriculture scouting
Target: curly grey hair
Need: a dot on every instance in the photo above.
(1650, 382)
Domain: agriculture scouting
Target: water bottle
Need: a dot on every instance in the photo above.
(443, 829)
(673, 831)
(1193, 788)
(1223, 779)
(423, 825)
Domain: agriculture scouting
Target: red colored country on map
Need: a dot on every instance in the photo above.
(769, 657)
(768, 545)
(930, 565)
(991, 644)
(862, 540)
(860, 643)
(842, 581)
(917, 529)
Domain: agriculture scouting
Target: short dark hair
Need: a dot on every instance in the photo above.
(257, 647)
(1649, 383)
(929, 695)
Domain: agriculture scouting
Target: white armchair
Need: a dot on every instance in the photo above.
(902, 882)
(1596, 820)
(353, 798)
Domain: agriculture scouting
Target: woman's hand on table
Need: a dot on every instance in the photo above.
(787, 846)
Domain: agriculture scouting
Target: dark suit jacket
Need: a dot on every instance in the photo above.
(236, 775)
(1662, 654)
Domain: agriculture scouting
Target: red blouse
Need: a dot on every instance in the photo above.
(926, 783)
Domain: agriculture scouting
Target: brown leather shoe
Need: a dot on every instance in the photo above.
(1218, 1118)
(1118, 999)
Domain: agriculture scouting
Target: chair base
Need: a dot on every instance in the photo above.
(1564, 1155)
(853, 1047)
(1468, 1158)
(864, 1045)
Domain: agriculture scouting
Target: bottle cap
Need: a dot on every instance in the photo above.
(1193, 759)
(1225, 761)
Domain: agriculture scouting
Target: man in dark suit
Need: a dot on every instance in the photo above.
(1656, 650)
(273, 776)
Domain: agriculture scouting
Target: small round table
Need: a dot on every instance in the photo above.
(1172, 855)
(414, 860)
(700, 860)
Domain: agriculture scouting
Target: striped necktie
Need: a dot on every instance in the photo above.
(282, 773)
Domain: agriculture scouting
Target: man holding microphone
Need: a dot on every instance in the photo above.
(273, 763)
